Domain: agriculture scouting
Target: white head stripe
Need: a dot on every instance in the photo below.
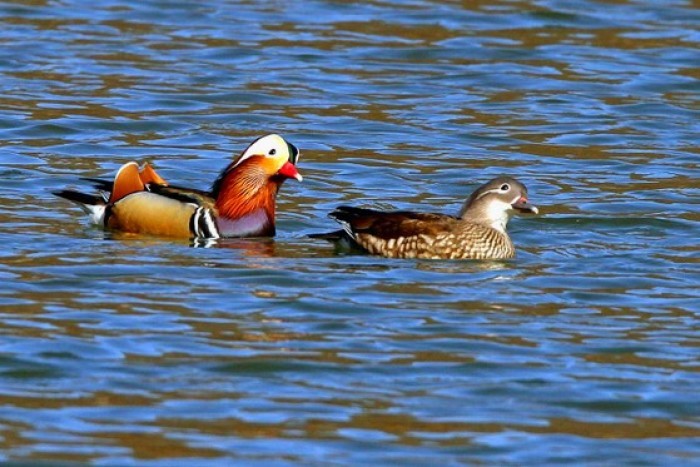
(262, 146)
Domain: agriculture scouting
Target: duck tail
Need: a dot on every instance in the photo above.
(95, 206)
(82, 199)
(334, 236)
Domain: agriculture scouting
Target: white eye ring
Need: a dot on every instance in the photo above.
(505, 187)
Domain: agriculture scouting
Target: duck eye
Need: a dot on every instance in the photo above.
(505, 187)
(272, 152)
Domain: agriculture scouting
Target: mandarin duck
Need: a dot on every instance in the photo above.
(478, 232)
(241, 202)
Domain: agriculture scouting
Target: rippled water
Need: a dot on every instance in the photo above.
(129, 350)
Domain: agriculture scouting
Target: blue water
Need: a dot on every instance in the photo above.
(127, 350)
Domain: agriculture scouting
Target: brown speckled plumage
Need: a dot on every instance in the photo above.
(479, 232)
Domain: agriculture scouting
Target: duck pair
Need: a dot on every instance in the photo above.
(241, 203)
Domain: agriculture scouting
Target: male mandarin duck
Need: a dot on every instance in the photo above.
(478, 232)
(241, 202)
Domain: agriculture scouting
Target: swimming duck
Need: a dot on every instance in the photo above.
(241, 202)
(478, 232)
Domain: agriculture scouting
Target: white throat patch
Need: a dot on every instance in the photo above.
(499, 213)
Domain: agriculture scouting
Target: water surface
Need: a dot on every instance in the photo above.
(124, 350)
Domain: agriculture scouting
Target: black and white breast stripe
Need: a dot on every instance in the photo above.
(202, 224)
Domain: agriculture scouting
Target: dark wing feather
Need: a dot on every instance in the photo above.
(186, 195)
(100, 183)
(394, 224)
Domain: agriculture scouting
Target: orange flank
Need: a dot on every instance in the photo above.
(152, 214)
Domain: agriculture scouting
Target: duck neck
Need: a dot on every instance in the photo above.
(245, 199)
(496, 217)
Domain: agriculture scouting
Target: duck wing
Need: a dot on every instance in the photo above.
(392, 224)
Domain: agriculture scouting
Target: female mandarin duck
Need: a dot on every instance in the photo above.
(241, 202)
(479, 232)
